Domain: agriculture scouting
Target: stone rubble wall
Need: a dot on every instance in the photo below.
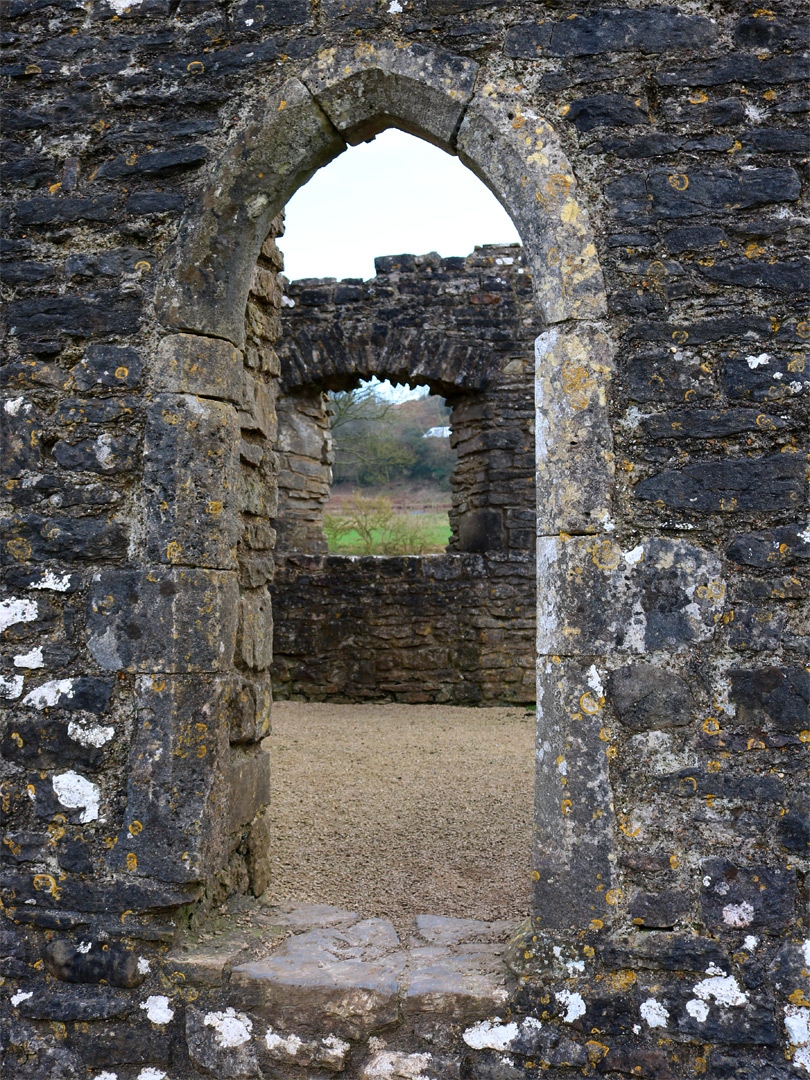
(451, 629)
(670, 915)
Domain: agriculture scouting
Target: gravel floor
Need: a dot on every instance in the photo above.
(399, 810)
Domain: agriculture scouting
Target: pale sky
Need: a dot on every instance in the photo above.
(396, 195)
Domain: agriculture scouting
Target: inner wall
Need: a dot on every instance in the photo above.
(457, 628)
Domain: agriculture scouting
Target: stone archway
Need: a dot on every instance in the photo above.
(346, 96)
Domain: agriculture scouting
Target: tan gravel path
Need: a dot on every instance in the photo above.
(399, 810)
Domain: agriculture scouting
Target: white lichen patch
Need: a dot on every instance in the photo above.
(738, 915)
(287, 1044)
(750, 942)
(635, 555)
(103, 452)
(91, 734)
(77, 793)
(157, 1008)
(47, 694)
(575, 1005)
(32, 659)
(387, 1064)
(395, 8)
(22, 995)
(654, 1013)
(119, 7)
(757, 361)
(490, 1035)
(11, 687)
(594, 681)
(797, 1025)
(698, 1009)
(144, 967)
(17, 609)
(232, 1028)
(724, 989)
(13, 405)
(55, 582)
(151, 1074)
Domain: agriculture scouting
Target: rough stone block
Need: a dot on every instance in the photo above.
(735, 897)
(362, 89)
(163, 620)
(777, 482)
(101, 962)
(192, 482)
(620, 30)
(108, 365)
(519, 157)
(574, 444)
(249, 703)
(350, 998)
(573, 824)
(222, 1043)
(248, 785)
(255, 634)
(646, 697)
(662, 595)
(193, 364)
(175, 824)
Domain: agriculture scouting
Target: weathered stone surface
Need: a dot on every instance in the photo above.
(660, 595)
(108, 365)
(163, 620)
(574, 367)
(734, 897)
(363, 89)
(220, 1042)
(646, 697)
(176, 822)
(350, 998)
(787, 545)
(536, 186)
(191, 477)
(110, 964)
(193, 364)
(255, 633)
(573, 875)
(656, 31)
(777, 482)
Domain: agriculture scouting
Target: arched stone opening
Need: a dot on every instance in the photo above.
(340, 98)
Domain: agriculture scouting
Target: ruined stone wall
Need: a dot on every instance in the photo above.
(459, 629)
(451, 629)
(654, 161)
(465, 327)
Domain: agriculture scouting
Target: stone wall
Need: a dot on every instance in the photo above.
(654, 162)
(456, 629)
(450, 629)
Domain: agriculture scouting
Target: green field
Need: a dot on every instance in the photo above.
(406, 534)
